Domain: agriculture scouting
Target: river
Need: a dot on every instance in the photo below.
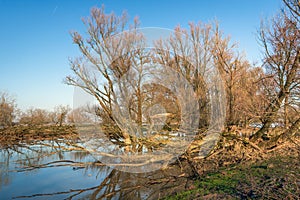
(58, 170)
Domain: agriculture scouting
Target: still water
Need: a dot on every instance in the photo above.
(56, 170)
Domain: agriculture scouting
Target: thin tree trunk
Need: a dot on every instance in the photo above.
(293, 129)
(286, 120)
(139, 113)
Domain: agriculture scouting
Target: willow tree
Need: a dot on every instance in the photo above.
(117, 63)
(188, 52)
(236, 74)
(281, 42)
(106, 56)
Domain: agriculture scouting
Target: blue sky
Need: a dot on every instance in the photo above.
(35, 41)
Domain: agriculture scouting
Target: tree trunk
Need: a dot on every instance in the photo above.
(294, 128)
(230, 107)
(139, 111)
(271, 112)
(286, 120)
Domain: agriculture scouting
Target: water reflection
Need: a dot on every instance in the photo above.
(60, 170)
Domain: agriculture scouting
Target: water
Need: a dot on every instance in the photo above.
(27, 170)
(55, 170)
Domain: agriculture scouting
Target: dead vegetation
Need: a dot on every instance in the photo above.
(233, 150)
(31, 133)
(240, 169)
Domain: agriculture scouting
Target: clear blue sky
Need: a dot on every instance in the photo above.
(35, 41)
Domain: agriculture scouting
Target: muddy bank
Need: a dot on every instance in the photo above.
(24, 133)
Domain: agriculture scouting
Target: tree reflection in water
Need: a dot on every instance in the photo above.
(28, 159)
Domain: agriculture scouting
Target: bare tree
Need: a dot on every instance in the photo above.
(188, 53)
(60, 114)
(106, 56)
(7, 109)
(253, 98)
(35, 116)
(78, 115)
(294, 8)
(234, 69)
(281, 42)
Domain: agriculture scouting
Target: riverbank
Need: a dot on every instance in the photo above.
(239, 169)
(274, 178)
(25, 133)
(235, 169)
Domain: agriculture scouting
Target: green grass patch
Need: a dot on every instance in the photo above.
(275, 178)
